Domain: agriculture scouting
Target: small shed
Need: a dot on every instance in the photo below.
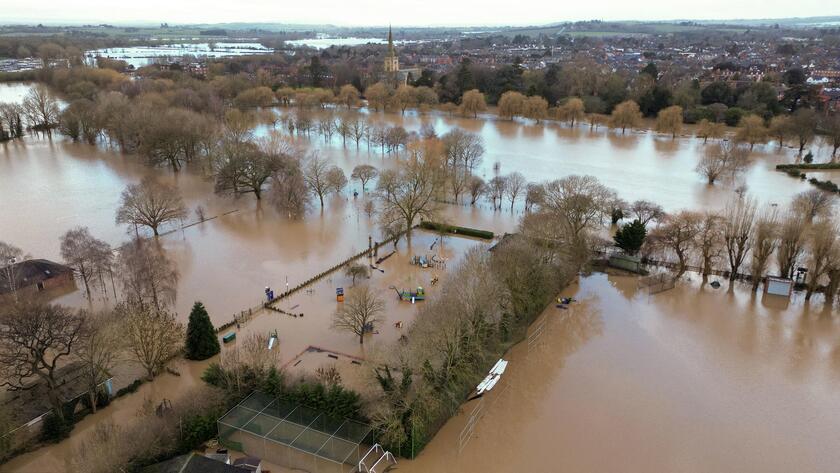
(778, 286)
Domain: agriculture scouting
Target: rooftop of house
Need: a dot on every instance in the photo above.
(29, 272)
(193, 463)
(33, 401)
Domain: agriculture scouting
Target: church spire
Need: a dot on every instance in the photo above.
(391, 51)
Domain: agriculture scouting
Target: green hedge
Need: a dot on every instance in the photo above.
(784, 167)
(456, 230)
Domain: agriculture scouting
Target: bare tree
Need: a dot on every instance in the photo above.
(364, 173)
(10, 257)
(496, 188)
(571, 207)
(88, 256)
(822, 248)
(725, 157)
(409, 192)
(646, 211)
(242, 167)
(678, 233)
(41, 107)
(791, 242)
(147, 275)
(625, 115)
(814, 203)
(153, 336)
(320, 177)
(34, 339)
(289, 192)
(534, 195)
(709, 242)
(336, 179)
(356, 270)
(739, 219)
(150, 203)
(476, 188)
(359, 313)
(515, 185)
(765, 239)
(99, 349)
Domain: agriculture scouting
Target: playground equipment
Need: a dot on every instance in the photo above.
(339, 294)
(408, 295)
(375, 456)
(229, 337)
(272, 340)
(422, 261)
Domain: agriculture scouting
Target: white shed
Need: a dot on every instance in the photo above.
(778, 286)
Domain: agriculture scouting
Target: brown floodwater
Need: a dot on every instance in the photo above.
(688, 380)
(651, 382)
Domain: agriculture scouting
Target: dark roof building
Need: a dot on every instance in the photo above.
(34, 275)
(193, 463)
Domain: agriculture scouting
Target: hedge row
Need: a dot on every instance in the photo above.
(456, 230)
(783, 167)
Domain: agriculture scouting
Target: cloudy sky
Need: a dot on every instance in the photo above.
(412, 13)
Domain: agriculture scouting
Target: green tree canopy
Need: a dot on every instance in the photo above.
(630, 237)
(202, 342)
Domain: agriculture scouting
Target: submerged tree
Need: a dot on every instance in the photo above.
(739, 219)
(151, 204)
(677, 233)
(670, 120)
(360, 313)
(791, 242)
(765, 239)
(322, 178)
(147, 275)
(709, 242)
(625, 115)
(356, 270)
(364, 173)
(408, 193)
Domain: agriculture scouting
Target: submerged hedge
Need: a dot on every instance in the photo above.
(456, 230)
(783, 167)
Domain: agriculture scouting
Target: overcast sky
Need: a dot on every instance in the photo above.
(411, 13)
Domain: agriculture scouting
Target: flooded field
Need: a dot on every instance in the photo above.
(688, 380)
(621, 382)
(139, 56)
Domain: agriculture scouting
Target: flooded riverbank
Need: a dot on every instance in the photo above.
(688, 380)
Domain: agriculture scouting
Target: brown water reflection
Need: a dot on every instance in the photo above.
(659, 383)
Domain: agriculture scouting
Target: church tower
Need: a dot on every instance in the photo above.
(392, 61)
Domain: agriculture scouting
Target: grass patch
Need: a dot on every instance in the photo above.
(456, 230)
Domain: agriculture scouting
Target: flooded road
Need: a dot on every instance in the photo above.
(686, 380)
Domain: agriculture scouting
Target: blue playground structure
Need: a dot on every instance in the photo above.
(408, 295)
